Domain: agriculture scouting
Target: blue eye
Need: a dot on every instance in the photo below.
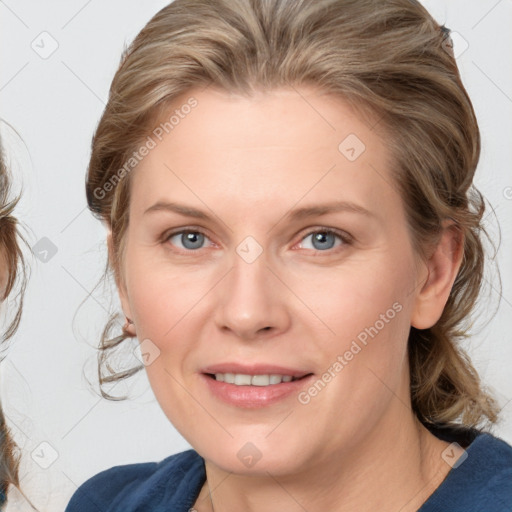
(324, 239)
(191, 240)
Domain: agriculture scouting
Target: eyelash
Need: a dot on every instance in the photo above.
(343, 236)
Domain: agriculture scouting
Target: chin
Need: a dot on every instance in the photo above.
(242, 456)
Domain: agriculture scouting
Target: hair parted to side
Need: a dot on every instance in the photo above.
(387, 58)
(16, 271)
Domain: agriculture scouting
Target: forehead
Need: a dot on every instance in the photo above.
(287, 143)
(236, 120)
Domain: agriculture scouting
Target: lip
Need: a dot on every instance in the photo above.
(255, 369)
(254, 397)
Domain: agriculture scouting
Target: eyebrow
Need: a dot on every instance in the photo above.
(297, 214)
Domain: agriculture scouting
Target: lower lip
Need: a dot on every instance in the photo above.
(253, 397)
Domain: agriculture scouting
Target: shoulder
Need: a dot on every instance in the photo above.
(177, 478)
(494, 462)
(482, 476)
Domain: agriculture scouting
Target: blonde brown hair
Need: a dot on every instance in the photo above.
(11, 242)
(391, 61)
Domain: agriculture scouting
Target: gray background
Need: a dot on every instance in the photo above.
(67, 432)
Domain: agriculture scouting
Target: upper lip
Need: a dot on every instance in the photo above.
(254, 369)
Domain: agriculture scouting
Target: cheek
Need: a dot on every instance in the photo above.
(162, 296)
(366, 309)
(365, 359)
(367, 294)
(164, 302)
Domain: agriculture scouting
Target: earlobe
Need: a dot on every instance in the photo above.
(129, 327)
(442, 269)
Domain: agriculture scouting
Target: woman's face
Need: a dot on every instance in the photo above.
(249, 282)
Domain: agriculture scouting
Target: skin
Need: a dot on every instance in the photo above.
(248, 162)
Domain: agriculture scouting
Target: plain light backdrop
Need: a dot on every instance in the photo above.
(57, 61)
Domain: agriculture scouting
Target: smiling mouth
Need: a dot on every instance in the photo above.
(240, 379)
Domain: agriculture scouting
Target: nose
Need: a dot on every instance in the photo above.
(251, 303)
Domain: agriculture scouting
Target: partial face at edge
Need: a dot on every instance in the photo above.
(291, 294)
(4, 273)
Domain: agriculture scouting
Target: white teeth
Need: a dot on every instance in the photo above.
(275, 379)
(240, 379)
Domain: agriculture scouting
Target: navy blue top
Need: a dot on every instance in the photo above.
(481, 483)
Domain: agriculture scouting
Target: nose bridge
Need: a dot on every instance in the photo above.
(250, 273)
(250, 300)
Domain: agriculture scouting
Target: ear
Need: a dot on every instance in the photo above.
(442, 267)
(128, 328)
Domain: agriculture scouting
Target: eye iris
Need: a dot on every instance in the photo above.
(321, 237)
(192, 237)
